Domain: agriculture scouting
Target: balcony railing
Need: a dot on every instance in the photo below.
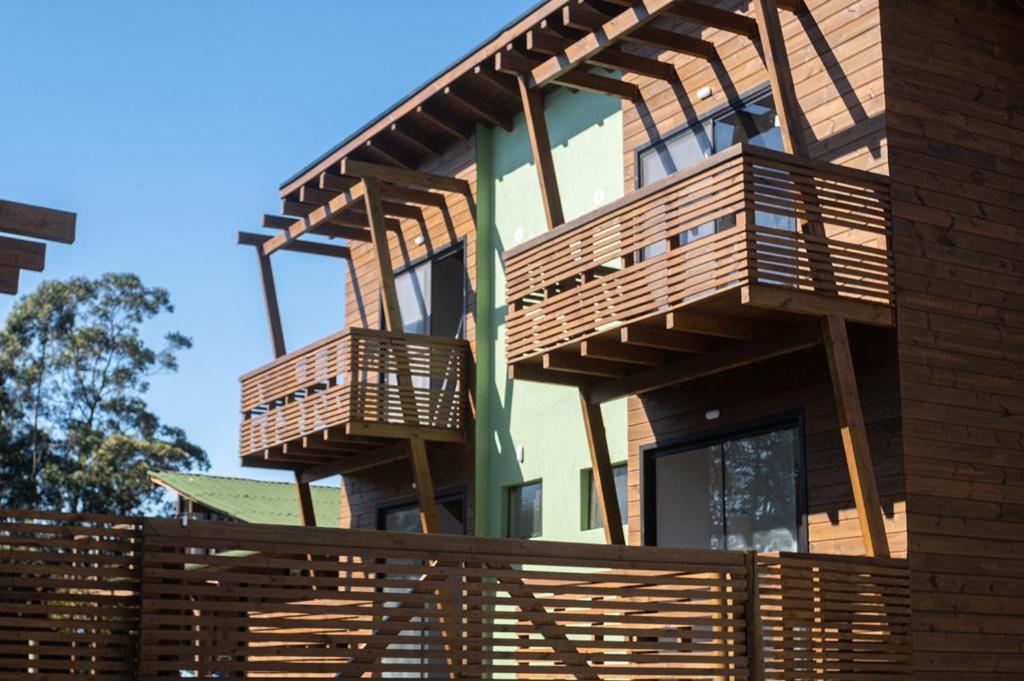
(746, 217)
(237, 600)
(360, 382)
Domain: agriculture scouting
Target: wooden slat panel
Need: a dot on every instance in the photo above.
(348, 378)
(69, 595)
(834, 617)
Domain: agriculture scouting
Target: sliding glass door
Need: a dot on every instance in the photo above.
(735, 492)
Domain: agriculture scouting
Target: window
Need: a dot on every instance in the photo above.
(524, 511)
(752, 121)
(431, 295)
(451, 511)
(739, 492)
(593, 519)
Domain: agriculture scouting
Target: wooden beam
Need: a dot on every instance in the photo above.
(384, 150)
(618, 352)
(304, 496)
(574, 364)
(434, 116)
(592, 82)
(277, 222)
(776, 61)
(721, 19)
(25, 255)
(353, 463)
(537, 374)
(484, 109)
(37, 222)
(591, 44)
(430, 521)
(270, 303)
(426, 145)
(601, 466)
(692, 368)
(9, 279)
(415, 178)
(816, 305)
(540, 145)
(662, 339)
(855, 439)
(709, 325)
(584, 18)
(385, 272)
(307, 247)
(545, 42)
(416, 196)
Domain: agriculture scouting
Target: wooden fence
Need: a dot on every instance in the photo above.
(728, 222)
(69, 595)
(225, 600)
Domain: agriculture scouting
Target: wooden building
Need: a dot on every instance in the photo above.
(793, 309)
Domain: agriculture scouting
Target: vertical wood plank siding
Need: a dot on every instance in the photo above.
(955, 116)
(835, 52)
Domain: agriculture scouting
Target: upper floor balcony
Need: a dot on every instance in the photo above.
(737, 248)
(353, 393)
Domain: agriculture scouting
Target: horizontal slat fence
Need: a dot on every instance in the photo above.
(351, 377)
(69, 595)
(115, 598)
(730, 221)
(834, 617)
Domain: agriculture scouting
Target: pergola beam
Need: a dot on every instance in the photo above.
(545, 42)
(37, 222)
(310, 248)
(416, 178)
(630, 20)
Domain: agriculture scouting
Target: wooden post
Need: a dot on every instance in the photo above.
(601, 465)
(540, 143)
(779, 75)
(754, 627)
(429, 518)
(305, 499)
(855, 439)
(270, 303)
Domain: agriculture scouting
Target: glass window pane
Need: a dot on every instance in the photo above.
(594, 518)
(678, 152)
(753, 123)
(524, 511)
(761, 492)
(413, 289)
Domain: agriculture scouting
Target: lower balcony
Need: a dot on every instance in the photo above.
(352, 395)
(750, 244)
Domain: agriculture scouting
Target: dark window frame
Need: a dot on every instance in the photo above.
(452, 248)
(507, 507)
(713, 436)
(588, 488)
(705, 124)
(440, 496)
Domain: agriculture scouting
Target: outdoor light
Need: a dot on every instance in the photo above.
(712, 414)
(704, 92)
(520, 454)
(419, 241)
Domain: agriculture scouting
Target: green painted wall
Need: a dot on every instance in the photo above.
(545, 420)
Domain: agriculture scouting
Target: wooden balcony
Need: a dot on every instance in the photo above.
(353, 393)
(746, 243)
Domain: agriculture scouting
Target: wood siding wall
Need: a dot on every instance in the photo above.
(836, 55)
(451, 466)
(955, 117)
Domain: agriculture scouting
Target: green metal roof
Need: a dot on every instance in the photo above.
(252, 501)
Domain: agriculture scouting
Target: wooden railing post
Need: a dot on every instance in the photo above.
(754, 628)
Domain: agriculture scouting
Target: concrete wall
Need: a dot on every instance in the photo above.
(544, 420)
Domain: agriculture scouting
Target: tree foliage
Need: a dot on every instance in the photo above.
(76, 433)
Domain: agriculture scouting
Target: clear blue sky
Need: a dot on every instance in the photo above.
(168, 126)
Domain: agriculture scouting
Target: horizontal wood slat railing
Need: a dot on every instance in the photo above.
(732, 220)
(141, 598)
(351, 377)
(834, 617)
(69, 595)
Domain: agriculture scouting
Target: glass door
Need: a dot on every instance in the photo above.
(736, 492)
